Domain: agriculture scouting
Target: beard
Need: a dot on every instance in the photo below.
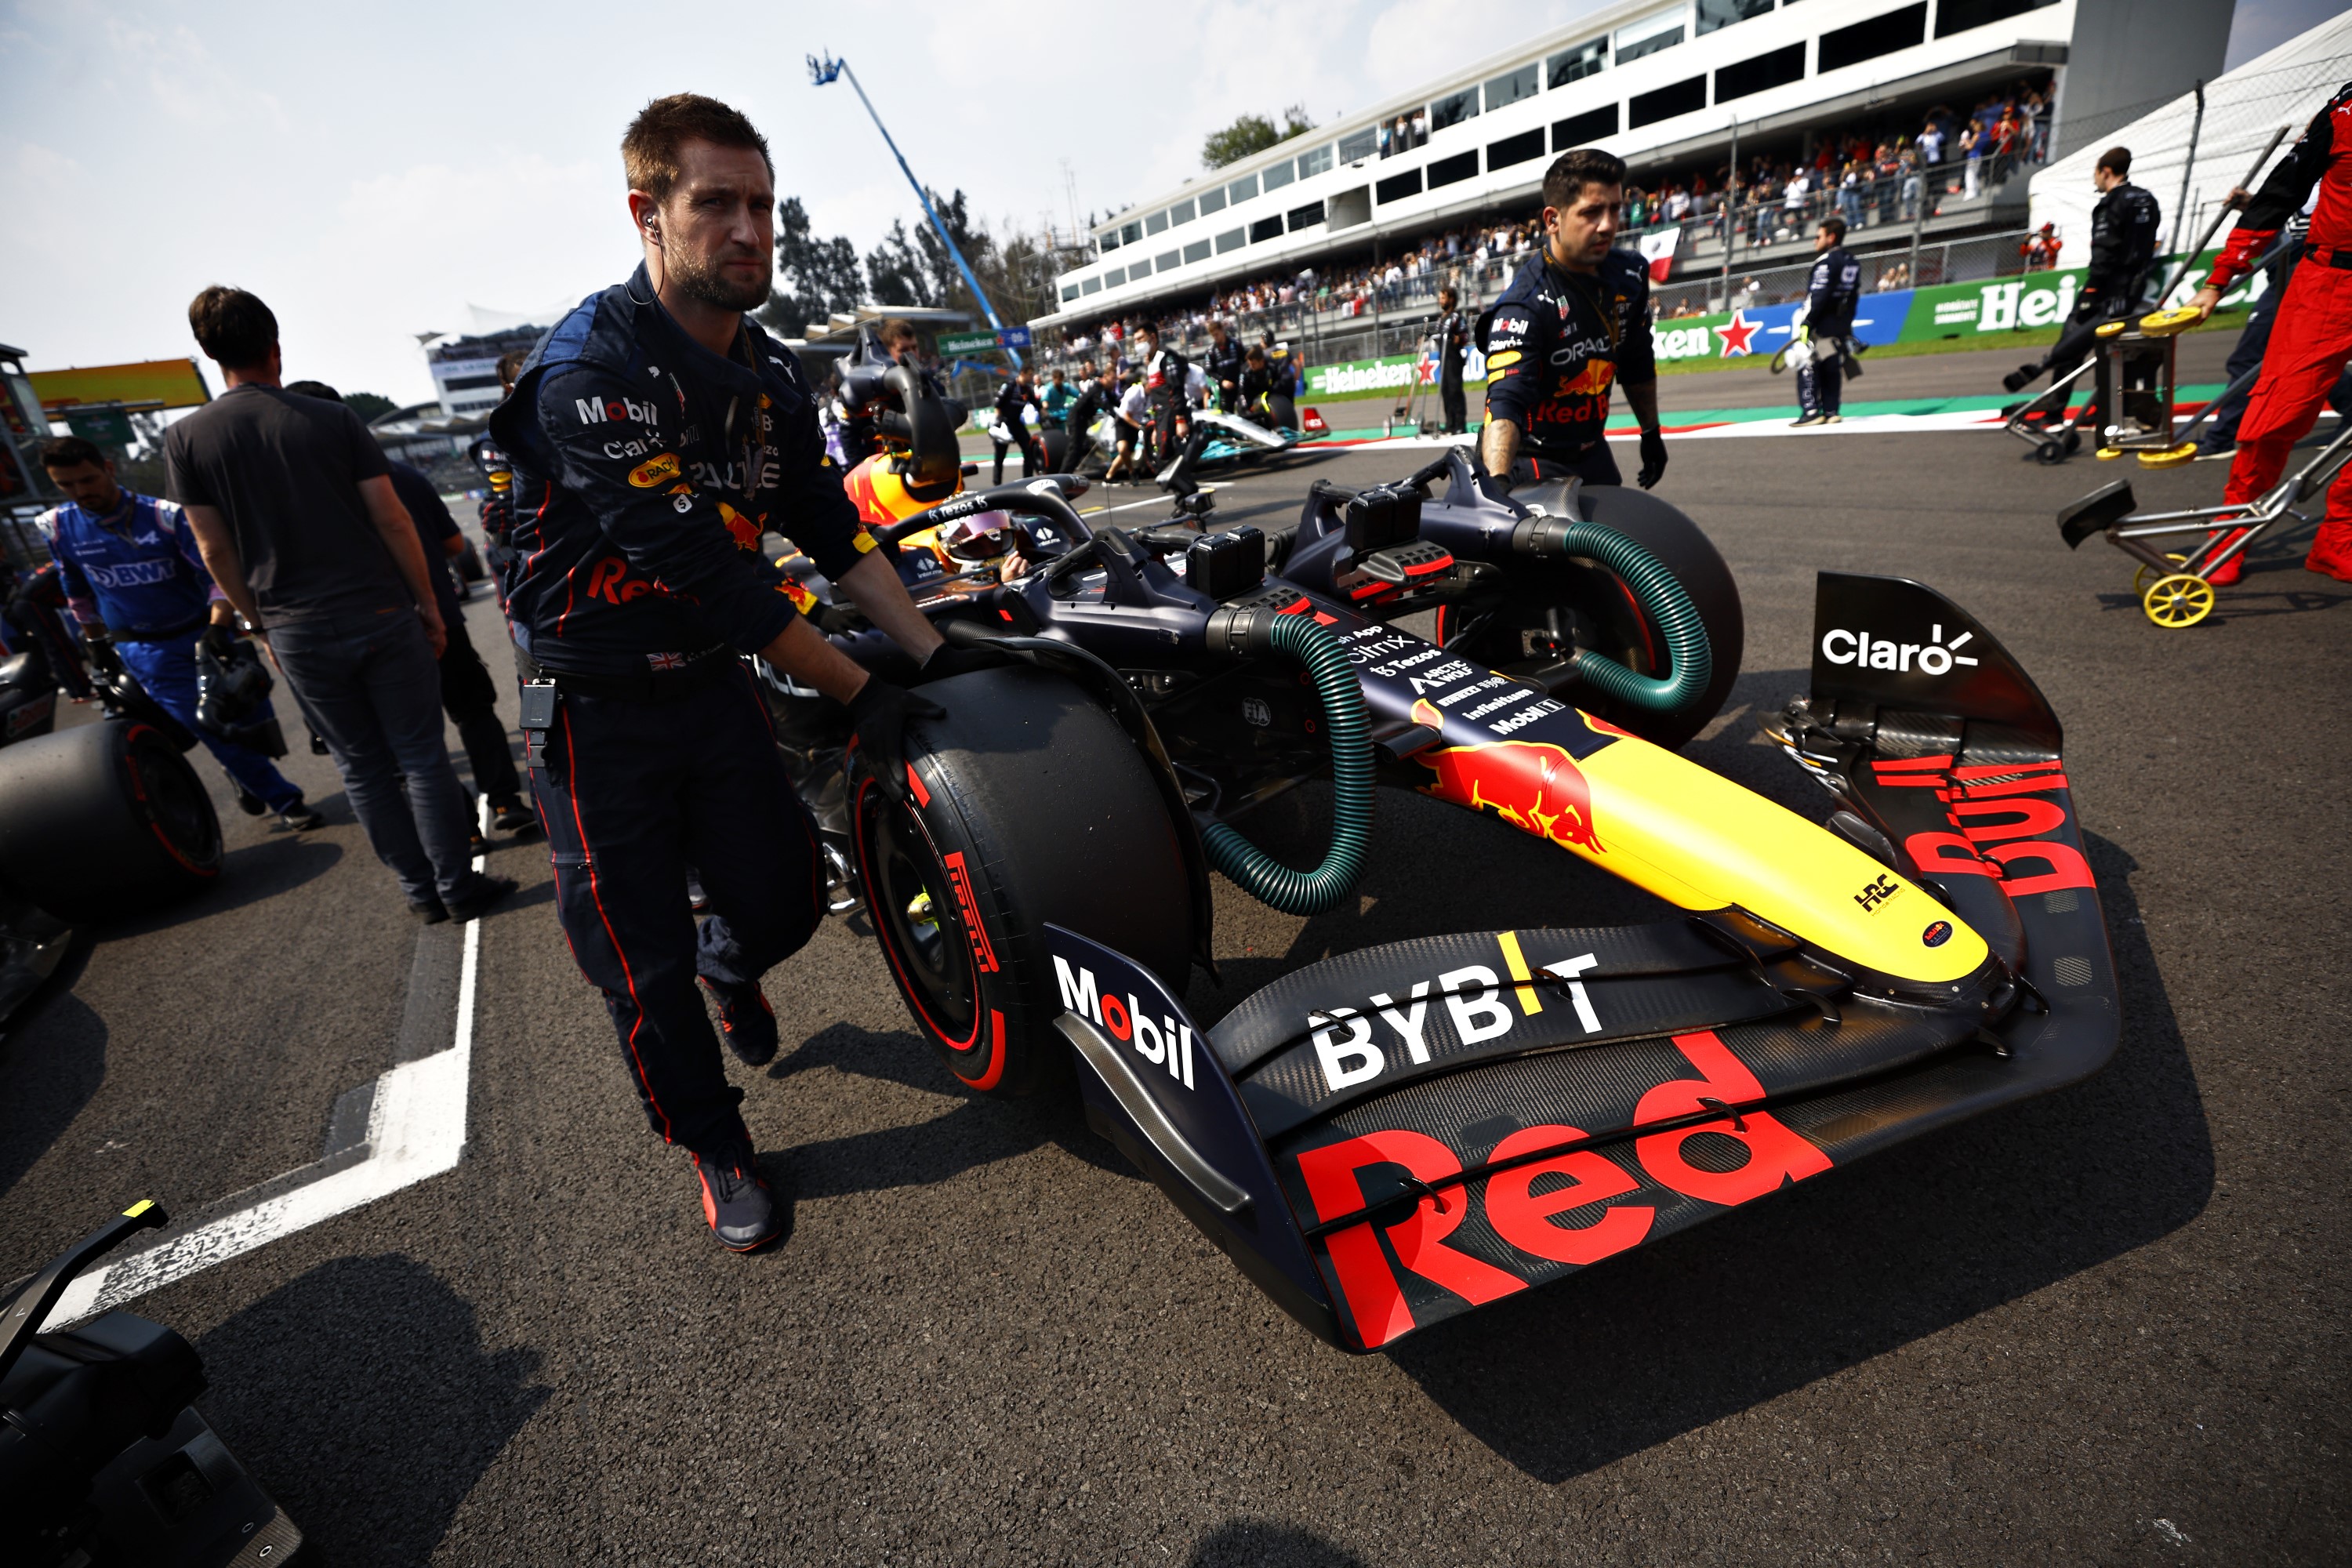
(701, 281)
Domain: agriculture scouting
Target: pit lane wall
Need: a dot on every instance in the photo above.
(1996, 305)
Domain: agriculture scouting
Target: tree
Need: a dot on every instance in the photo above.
(816, 277)
(1252, 133)
(369, 405)
(894, 272)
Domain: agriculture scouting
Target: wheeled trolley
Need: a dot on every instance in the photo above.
(2175, 589)
(2133, 361)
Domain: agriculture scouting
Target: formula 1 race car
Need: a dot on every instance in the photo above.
(104, 1460)
(1390, 1136)
(1223, 440)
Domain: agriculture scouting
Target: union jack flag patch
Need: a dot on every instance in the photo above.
(667, 660)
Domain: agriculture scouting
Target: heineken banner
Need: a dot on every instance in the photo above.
(1995, 305)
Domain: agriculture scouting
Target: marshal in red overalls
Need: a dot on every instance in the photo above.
(2313, 335)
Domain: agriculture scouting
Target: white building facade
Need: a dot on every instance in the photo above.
(1656, 84)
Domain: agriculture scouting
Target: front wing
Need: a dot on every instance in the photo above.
(1392, 1137)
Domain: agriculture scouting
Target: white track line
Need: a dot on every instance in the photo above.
(417, 1129)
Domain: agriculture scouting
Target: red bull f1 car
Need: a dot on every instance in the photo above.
(1391, 1136)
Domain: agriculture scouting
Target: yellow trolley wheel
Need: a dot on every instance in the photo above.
(2172, 457)
(2178, 601)
(2140, 578)
(2109, 454)
(2169, 323)
(2109, 329)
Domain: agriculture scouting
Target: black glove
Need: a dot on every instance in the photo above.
(1654, 459)
(880, 712)
(954, 658)
(219, 638)
(497, 517)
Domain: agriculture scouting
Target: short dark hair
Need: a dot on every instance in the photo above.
(649, 148)
(2118, 159)
(318, 389)
(70, 452)
(893, 328)
(510, 365)
(1576, 168)
(1835, 227)
(233, 328)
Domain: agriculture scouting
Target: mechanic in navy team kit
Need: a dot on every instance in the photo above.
(674, 432)
(133, 577)
(1831, 291)
(1573, 324)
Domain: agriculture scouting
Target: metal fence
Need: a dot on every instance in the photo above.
(1395, 320)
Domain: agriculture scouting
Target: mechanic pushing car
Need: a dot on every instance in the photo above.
(675, 433)
(2312, 335)
(133, 577)
(1831, 291)
(1574, 323)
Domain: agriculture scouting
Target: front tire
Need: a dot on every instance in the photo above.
(1029, 804)
(1547, 604)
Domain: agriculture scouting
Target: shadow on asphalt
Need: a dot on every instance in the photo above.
(250, 873)
(1257, 1544)
(1668, 1339)
(979, 1132)
(361, 1398)
(40, 1099)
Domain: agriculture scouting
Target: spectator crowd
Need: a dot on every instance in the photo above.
(1869, 180)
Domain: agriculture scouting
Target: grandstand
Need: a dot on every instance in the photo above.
(466, 370)
(1670, 88)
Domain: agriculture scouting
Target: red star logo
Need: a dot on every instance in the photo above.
(1737, 333)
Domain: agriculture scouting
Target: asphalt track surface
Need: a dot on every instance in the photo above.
(2104, 1327)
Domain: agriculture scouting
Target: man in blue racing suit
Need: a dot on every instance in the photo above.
(1574, 323)
(132, 577)
(1831, 291)
(671, 433)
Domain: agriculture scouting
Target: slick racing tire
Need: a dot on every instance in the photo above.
(1545, 601)
(1028, 804)
(1056, 442)
(104, 819)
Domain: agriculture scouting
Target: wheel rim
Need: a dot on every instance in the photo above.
(2180, 600)
(175, 805)
(914, 909)
(2143, 575)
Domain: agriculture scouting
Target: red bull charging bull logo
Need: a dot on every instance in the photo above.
(1534, 785)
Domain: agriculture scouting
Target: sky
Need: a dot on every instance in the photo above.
(373, 173)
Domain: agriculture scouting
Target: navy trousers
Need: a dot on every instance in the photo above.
(1596, 465)
(635, 788)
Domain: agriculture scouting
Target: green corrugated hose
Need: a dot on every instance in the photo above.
(1349, 736)
(1662, 599)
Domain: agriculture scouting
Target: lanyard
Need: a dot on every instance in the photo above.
(1591, 297)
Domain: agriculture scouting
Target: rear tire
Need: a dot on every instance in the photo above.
(104, 819)
(1034, 806)
(1542, 600)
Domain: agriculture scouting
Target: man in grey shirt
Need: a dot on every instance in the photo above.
(295, 515)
